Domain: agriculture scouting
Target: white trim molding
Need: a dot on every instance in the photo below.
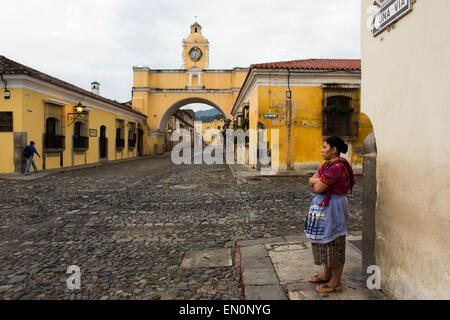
(56, 102)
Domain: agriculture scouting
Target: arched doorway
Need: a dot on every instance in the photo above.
(80, 140)
(140, 142)
(178, 105)
(195, 115)
(103, 144)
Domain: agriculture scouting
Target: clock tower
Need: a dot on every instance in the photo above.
(195, 49)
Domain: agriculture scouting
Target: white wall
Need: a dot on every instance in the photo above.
(406, 94)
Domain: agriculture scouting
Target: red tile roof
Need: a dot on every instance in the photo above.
(308, 65)
(8, 66)
(313, 64)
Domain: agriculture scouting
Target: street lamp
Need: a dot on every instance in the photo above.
(79, 113)
(79, 107)
(6, 94)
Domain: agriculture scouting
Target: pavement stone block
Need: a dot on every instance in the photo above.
(246, 243)
(254, 251)
(17, 279)
(259, 277)
(255, 262)
(208, 258)
(272, 292)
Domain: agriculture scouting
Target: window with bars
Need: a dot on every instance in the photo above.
(341, 112)
(54, 121)
(6, 121)
(80, 140)
(131, 135)
(120, 141)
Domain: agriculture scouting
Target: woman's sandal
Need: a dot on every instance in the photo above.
(317, 279)
(325, 288)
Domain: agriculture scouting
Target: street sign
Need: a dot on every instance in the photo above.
(391, 12)
(270, 116)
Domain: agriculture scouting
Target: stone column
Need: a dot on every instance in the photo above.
(369, 201)
(20, 142)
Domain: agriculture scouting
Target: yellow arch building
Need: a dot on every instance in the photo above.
(159, 93)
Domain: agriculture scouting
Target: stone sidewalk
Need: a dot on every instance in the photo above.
(279, 268)
(244, 173)
(44, 173)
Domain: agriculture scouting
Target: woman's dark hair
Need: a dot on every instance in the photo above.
(337, 142)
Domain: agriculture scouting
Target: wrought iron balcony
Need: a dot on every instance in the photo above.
(80, 143)
(131, 144)
(54, 143)
(120, 144)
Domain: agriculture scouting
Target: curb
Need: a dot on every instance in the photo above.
(233, 174)
(237, 259)
(20, 176)
(291, 176)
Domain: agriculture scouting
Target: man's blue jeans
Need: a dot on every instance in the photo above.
(30, 162)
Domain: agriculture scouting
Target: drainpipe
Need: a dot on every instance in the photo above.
(289, 158)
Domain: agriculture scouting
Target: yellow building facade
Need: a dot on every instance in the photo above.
(210, 129)
(306, 100)
(41, 108)
(158, 93)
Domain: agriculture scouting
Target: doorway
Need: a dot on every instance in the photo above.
(103, 143)
(140, 142)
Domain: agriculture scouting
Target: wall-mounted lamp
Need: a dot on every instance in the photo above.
(169, 130)
(80, 112)
(79, 107)
(6, 94)
(288, 94)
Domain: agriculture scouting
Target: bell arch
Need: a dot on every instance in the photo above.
(181, 103)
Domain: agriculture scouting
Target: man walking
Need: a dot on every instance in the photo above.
(28, 154)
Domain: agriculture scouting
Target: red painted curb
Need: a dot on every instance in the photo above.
(232, 171)
(290, 176)
(237, 261)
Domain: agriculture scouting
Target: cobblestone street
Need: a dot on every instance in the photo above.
(129, 226)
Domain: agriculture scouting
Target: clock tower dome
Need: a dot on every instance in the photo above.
(195, 49)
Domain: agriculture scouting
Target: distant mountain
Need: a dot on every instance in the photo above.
(207, 116)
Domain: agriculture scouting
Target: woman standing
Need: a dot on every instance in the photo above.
(326, 223)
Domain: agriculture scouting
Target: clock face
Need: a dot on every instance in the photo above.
(195, 54)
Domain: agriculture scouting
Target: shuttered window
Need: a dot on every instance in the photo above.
(6, 121)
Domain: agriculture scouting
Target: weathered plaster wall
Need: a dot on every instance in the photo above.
(306, 132)
(7, 138)
(405, 94)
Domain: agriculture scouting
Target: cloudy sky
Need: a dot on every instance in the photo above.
(82, 41)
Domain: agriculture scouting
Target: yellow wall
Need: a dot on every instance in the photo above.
(7, 152)
(214, 125)
(179, 79)
(306, 132)
(159, 93)
(156, 103)
(29, 116)
(7, 138)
